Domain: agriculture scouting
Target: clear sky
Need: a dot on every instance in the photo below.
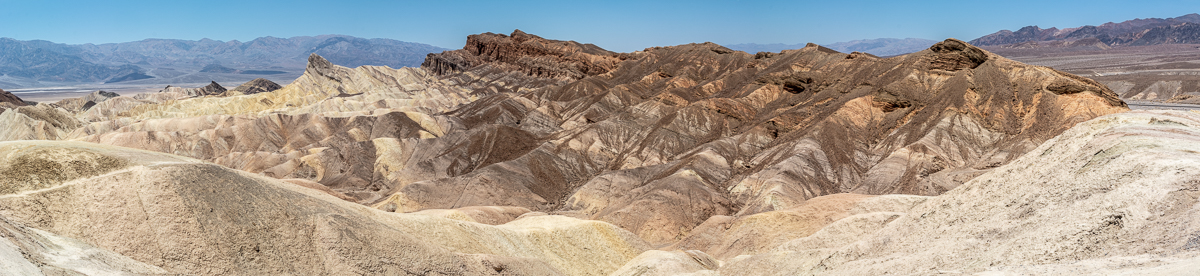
(615, 25)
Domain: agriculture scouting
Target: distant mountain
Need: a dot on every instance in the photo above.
(1149, 31)
(883, 46)
(42, 61)
(879, 46)
(263, 52)
(46, 61)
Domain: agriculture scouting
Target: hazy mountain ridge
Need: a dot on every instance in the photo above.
(40, 60)
(1148, 31)
(46, 61)
(263, 52)
(878, 46)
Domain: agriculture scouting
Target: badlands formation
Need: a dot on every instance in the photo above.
(519, 155)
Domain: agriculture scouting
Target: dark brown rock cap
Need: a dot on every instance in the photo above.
(6, 97)
(953, 55)
(212, 88)
(527, 53)
(259, 85)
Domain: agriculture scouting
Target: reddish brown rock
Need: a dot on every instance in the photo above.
(527, 53)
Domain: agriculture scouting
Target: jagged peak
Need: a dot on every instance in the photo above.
(316, 61)
(813, 46)
(320, 66)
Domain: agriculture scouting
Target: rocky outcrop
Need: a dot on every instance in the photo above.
(10, 100)
(530, 54)
(256, 86)
(175, 92)
(208, 90)
(40, 122)
(81, 104)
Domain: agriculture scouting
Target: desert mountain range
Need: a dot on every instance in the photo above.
(1137, 32)
(520, 155)
(30, 63)
(878, 46)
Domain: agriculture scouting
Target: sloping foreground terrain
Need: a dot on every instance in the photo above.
(1118, 195)
(187, 216)
(1111, 195)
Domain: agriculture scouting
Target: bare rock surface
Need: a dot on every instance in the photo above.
(28, 251)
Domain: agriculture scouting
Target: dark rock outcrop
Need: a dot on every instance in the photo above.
(10, 99)
(256, 86)
(533, 55)
(211, 89)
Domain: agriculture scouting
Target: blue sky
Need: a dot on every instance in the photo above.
(615, 25)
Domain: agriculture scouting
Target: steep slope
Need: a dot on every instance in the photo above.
(326, 88)
(29, 251)
(333, 118)
(191, 217)
(40, 122)
(8, 100)
(1120, 189)
(675, 135)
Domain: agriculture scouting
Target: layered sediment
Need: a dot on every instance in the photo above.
(524, 155)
